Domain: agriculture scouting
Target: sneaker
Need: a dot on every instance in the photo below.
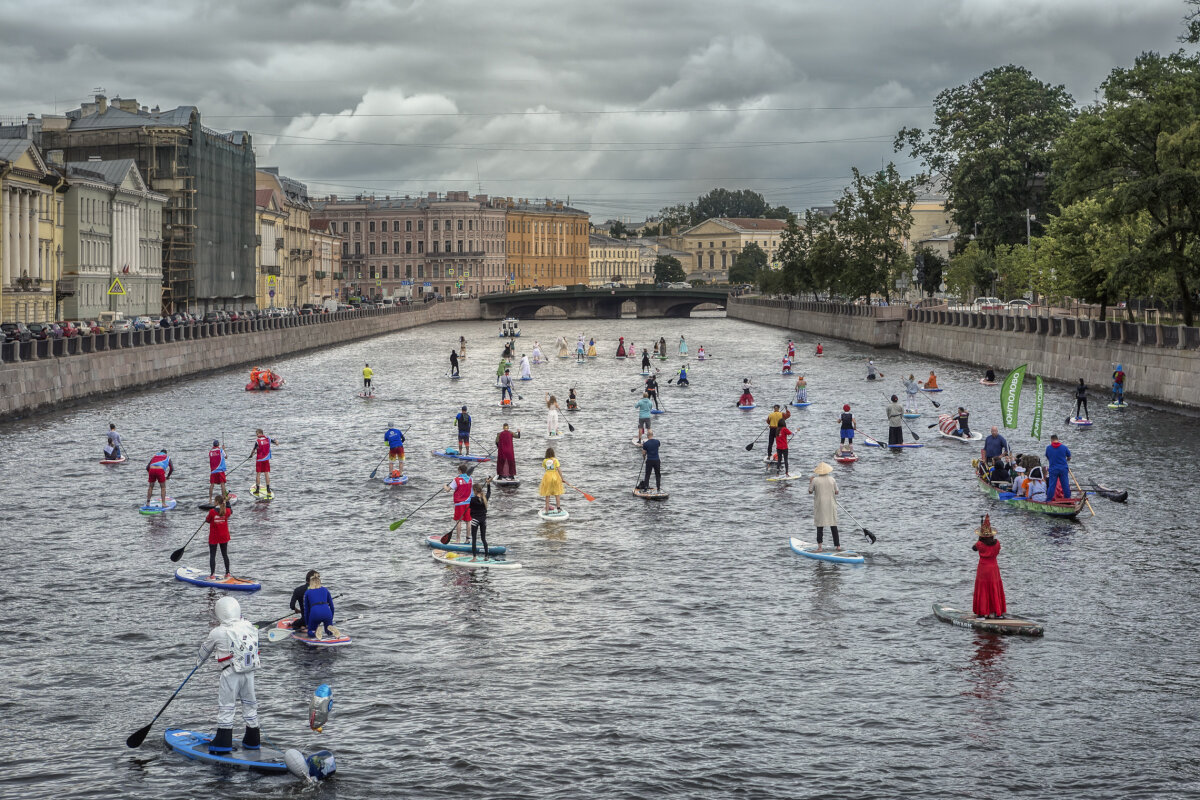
(227, 576)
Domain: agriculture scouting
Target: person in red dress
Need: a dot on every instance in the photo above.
(989, 589)
(218, 536)
(506, 458)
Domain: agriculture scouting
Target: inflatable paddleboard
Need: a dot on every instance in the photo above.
(923, 389)
(435, 541)
(365, 396)
(657, 411)
(1110, 405)
(120, 460)
(194, 745)
(912, 414)
(975, 436)
(390, 481)
(967, 619)
(786, 372)
(645, 373)
(559, 515)
(1081, 422)
(456, 377)
(263, 493)
(747, 408)
(847, 459)
(651, 494)
(783, 478)
(229, 501)
(905, 445)
(156, 506)
(636, 443)
(457, 455)
(525, 379)
(502, 404)
(328, 641)
(802, 405)
(838, 557)
(989, 383)
(507, 483)
(465, 561)
(620, 358)
(199, 578)
(556, 435)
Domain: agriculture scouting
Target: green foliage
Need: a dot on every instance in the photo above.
(971, 272)
(721, 203)
(873, 217)
(668, 269)
(933, 265)
(748, 264)
(991, 142)
(618, 230)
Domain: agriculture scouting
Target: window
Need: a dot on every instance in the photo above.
(408, 270)
(447, 244)
(395, 225)
(435, 224)
(371, 248)
(372, 269)
(408, 247)
(371, 226)
(460, 224)
(435, 245)
(358, 227)
(420, 270)
(408, 225)
(711, 258)
(447, 224)
(345, 227)
(420, 224)
(383, 271)
(460, 245)
(396, 247)
(470, 224)
(345, 248)
(723, 262)
(358, 248)
(437, 271)
(421, 247)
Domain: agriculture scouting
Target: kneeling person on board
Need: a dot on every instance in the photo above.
(683, 377)
(262, 459)
(217, 470)
(479, 501)
(113, 451)
(572, 401)
(963, 418)
(990, 375)
(234, 643)
(218, 536)
(297, 602)
(653, 464)
(159, 469)
(318, 608)
(395, 442)
(895, 417)
(823, 487)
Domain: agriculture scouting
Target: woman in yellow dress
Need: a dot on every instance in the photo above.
(552, 480)
(591, 351)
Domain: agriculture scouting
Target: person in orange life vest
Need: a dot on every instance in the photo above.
(218, 536)
(781, 449)
(159, 470)
(462, 500)
(216, 470)
(262, 459)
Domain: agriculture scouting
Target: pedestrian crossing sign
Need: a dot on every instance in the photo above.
(116, 287)
(449, 272)
(272, 281)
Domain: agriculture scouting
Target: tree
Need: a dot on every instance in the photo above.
(971, 270)
(930, 266)
(873, 217)
(748, 264)
(618, 230)
(991, 142)
(668, 269)
(793, 258)
(1137, 152)
(673, 217)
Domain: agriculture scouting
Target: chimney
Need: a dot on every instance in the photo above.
(333, 198)
(127, 105)
(101, 104)
(431, 196)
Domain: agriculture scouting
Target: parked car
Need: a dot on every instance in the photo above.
(92, 326)
(989, 303)
(119, 325)
(69, 329)
(548, 289)
(1018, 303)
(39, 330)
(679, 285)
(56, 331)
(308, 309)
(15, 332)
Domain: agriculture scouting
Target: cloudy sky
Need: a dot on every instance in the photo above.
(622, 107)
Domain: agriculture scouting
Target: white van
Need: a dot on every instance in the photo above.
(107, 318)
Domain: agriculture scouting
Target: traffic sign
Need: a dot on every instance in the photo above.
(270, 293)
(378, 283)
(406, 283)
(272, 281)
(115, 287)
(428, 284)
(449, 272)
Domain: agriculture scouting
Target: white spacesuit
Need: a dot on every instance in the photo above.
(234, 643)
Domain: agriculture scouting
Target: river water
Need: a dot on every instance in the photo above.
(645, 650)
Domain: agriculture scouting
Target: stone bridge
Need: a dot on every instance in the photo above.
(600, 303)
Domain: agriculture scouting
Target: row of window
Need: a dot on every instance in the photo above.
(393, 271)
(765, 244)
(486, 225)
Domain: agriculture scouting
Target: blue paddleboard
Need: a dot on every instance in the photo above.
(460, 456)
(198, 578)
(390, 481)
(802, 405)
(156, 506)
(843, 557)
(435, 541)
(194, 745)
(747, 408)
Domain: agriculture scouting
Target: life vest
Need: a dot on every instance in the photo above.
(160, 462)
(216, 460)
(264, 446)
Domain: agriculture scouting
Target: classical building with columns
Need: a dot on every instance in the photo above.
(712, 245)
(31, 216)
(112, 239)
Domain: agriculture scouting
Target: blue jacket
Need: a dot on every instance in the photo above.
(995, 446)
(1056, 457)
(394, 438)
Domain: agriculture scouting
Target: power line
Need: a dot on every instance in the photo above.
(606, 112)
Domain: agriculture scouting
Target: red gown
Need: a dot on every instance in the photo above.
(989, 589)
(506, 458)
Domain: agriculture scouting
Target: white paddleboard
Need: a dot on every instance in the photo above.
(558, 515)
(782, 478)
(466, 561)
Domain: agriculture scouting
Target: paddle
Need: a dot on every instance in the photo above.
(244, 460)
(1086, 502)
(866, 532)
(178, 554)
(137, 737)
(750, 446)
(586, 496)
(936, 404)
(401, 521)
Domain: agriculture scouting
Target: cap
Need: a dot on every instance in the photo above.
(216, 443)
(464, 408)
(846, 407)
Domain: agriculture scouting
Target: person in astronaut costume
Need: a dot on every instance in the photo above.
(234, 644)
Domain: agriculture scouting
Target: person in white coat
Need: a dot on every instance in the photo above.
(526, 374)
(552, 416)
(824, 490)
(234, 644)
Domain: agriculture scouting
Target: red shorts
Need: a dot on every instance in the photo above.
(262, 466)
(396, 452)
(157, 476)
(216, 477)
(462, 513)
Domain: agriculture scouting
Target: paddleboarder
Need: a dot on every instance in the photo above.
(895, 418)
(218, 536)
(538, 358)
(1058, 468)
(262, 459)
(506, 457)
(682, 380)
(395, 442)
(461, 486)
(217, 470)
(781, 449)
(112, 451)
(501, 368)
(652, 389)
(644, 405)
(621, 347)
(159, 470)
(234, 644)
(962, 418)
(1118, 385)
(787, 365)
(989, 588)
(297, 602)
(506, 388)
(791, 351)
(645, 360)
(683, 347)
(453, 364)
(932, 382)
(849, 426)
(911, 387)
(562, 347)
(871, 370)
(318, 608)
(552, 411)
(990, 375)
(995, 446)
(801, 391)
(463, 420)
(462, 347)
(653, 464)
(662, 347)
(774, 420)
(820, 349)
(478, 506)
(1081, 400)
(591, 351)
(747, 399)
(526, 373)
(572, 400)
(368, 374)
(824, 489)
(552, 479)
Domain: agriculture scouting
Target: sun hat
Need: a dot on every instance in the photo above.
(822, 469)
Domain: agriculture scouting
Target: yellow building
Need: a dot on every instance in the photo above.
(296, 259)
(546, 244)
(327, 260)
(932, 226)
(617, 260)
(712, 245)
(269, 219)
(31, 234)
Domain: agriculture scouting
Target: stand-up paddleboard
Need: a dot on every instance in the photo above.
(636, 443)
(746, 408)
(1081, 422)
(505, 405)
(198, 578)
(399, 481)
(435, 541)
(451, 453)
(564, 356)
(466, 561)
(923, 389)
(905, 446)
(120, 460)
(366, 396)
(156, 506)
(786, 372)
(657, 411)
(1110, 405)
(802, 405)
(620, 358)
(341, 640)
(194, 745)
(845, 458)
(967, 619)
(975, 436)
(455, 377)
(231, 500)
(651, 494)
(526, 379)
(986, 382)
(506, 483)
(784, 478)
(645, 373)
(555, 515)
(263, 493)
(838, 557)
(911, 414)
(589, 358)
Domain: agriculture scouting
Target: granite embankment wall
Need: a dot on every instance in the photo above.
(878, 326)
(1162, 362)
(39, 376)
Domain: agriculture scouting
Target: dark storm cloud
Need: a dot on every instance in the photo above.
(401, 97)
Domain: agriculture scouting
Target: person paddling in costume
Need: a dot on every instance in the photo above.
(501, 368)
(262, 460)
(368, 374)
(895, 418)
(801, 390)
(1081, 400)
(217, 470)
(453, 364)
(682, 380)
(218, 536)
(507, 352)
(462, 347)
(781, 449)
(478, 507)
(747, 399)
(820, 349)
(506, 389)
(621, 348)
(824, 489)
(791, 351)
(572, 400)
(652, 390)
(932, 382)
(700, 353)
(1118, 385)
(645, 360)
(506, 458)
(1058, 469)
(395, 442)
(848, 427)
(682, 345)
(552, 410)
(234, 644)
(526, 373)
(552, 480)
(591, 351)
(160, 470)
(990, 375)
(662, 347)
(463, 420)
(538, 358)
(318, 609)
(911, 387)
(461, 486)
(297, 602)
(112, 451)
(787, 365)
(774, 420)
(989, 588)
(562, 347)
(644, 406)
(963, 418)
(650, 456)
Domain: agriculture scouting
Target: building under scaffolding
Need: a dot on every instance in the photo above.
(207, 176)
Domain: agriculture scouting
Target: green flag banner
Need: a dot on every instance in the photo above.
(1039, 398)
(1010, 396)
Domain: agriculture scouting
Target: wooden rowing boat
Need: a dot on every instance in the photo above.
(1067, 509)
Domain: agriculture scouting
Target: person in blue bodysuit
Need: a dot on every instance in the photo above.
(683, 378)
(464, 428)
(1057, 458)
(318, 608)
(297, 603)
(395, 440)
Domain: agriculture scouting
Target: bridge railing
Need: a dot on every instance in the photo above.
(823, 307)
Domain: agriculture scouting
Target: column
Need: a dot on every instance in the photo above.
(23, 234)
(6, 210)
